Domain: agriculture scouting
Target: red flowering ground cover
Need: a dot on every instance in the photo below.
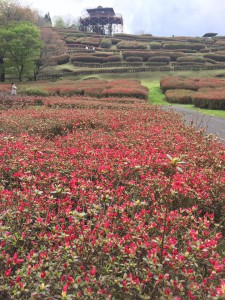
(109, 204)
(89, 87)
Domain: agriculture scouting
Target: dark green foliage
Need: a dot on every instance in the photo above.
(165, 59)
(87, 58)
(174, 46)
(134, 59)
(106, 43)
(155, 45)
(144, 54)
(131, 45)
(216, 57)
(61, 59)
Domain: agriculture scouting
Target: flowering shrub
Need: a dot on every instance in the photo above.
(109, 204)
(210, 99)
(127, 92)
(172, 83)
(90, 87)
(211, 91)
(179, 96)
(195, 84)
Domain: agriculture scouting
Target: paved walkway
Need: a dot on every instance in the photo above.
(212, 125)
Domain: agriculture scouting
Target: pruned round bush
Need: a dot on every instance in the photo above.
(125, 92)
(90, 41)
(134, 59)
(112, 58)
(131, 45)
(87, 59)
(206, 50)
(191, 59)
(217, 57)
(102, 54)
(144, 54)
(179, 96)
(155, 45)
(61, 59)
(213, 100)
(172, 83)
(220, 43)
(165, 59)
(189, 46)
(105, 43)
(70, 40)
(115, 41)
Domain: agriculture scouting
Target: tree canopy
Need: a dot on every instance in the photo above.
(22, 45)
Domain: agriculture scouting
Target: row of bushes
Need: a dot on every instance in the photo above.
(172, 83)
(209, 100)
(95, 59)
(101, 57)
(147, 54)
(96, 88)
(189, 46)
(131, 45)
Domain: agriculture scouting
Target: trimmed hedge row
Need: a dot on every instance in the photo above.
(216, 57)
(106, 43)
(194, 59)
(147, 54)
(61, 59)
(189, 46)
(131, 45)
(210, 94)
(144, 54)
(213, 100)
(179, 96)
(134, 59)
(165, 59)
(90, 41)
(155, 45)
(125, 92)
(172, 83)
(95, 59)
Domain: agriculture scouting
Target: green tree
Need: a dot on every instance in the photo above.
(59, 22)
(23, 45)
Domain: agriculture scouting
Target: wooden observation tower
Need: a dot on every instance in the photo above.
(102, 21)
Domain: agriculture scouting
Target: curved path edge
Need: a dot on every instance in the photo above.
(211, 124)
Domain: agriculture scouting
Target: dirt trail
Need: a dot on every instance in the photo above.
(212, 125)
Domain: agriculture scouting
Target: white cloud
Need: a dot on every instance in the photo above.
(161, 17)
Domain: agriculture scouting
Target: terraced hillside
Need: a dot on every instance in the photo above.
(87, 50)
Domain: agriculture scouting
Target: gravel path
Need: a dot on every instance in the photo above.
(211, 124)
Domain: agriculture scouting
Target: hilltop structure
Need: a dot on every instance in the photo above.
(103, 21)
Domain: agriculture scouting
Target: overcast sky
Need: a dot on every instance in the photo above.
(158, 17)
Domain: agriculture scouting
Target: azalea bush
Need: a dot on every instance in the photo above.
(180, 96)
(177, 82)
(211, 99)
(120, 202)
(202, 92)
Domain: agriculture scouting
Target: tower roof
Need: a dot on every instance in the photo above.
(101, 11)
